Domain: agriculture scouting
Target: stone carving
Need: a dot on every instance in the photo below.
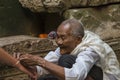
(60, 5)
(105, 21)
(23, 44)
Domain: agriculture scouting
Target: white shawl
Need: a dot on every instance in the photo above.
(108, 61)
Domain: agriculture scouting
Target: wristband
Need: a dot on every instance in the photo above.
(17, 63)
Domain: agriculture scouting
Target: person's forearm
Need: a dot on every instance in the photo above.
(7, 58)
(52, 68)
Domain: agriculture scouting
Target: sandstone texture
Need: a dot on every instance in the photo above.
(61, 5)
(23, 44)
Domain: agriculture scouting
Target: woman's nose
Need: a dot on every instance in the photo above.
(59, 41)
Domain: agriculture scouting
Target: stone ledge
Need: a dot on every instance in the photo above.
(26, 44)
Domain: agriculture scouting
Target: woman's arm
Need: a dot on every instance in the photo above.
(7, 59)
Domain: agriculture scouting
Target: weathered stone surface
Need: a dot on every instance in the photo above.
(60, 5)
(16, 20)
(26, 44)
(23, 44)
(104, 21)
(12, 74)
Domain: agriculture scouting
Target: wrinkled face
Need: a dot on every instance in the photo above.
(65, 40)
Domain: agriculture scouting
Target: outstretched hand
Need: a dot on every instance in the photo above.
(25, 68)
(31, 60)
(32, 74)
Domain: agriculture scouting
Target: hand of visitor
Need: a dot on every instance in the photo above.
(28, 70)
(33, 70)
(25, 70)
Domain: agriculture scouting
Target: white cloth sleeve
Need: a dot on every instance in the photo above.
(41, 71)
(53, 57)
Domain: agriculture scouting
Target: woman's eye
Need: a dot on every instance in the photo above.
(57, 37)
(63, 38)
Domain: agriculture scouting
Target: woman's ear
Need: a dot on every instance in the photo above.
(79, 39)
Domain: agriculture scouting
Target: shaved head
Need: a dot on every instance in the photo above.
(74, 26)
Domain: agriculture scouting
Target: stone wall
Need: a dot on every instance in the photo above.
(105, 21)
(61, 5)
(12, 16)
(16, 20)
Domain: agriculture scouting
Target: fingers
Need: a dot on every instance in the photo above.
(14, 55)
(25, 56)
(28, 60)
(33, 70)
(21, 67)
(28, 71)
(17, 55)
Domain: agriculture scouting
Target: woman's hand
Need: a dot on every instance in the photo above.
(25, 68)
(28, 71)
